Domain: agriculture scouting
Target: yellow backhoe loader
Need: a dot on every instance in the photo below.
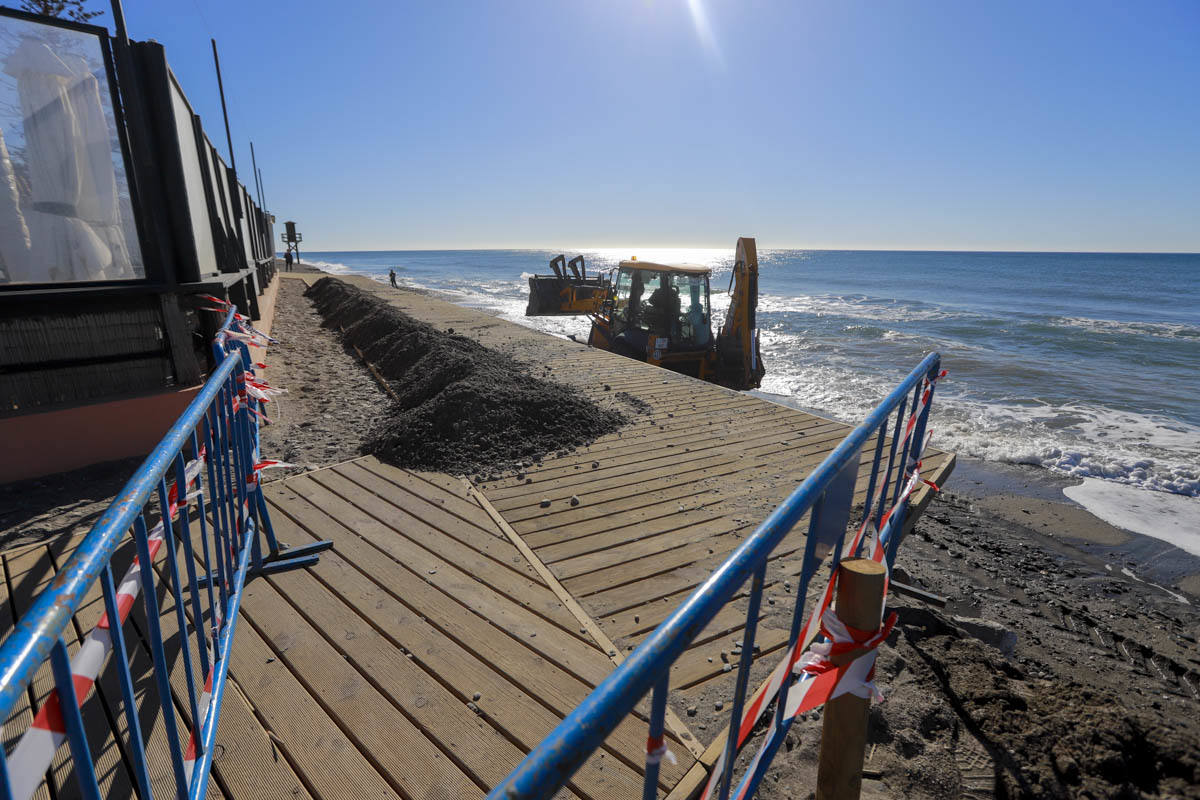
(660, 314)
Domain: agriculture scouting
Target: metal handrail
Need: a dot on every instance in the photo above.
(220, 428)
(550, 765)
(29, 644)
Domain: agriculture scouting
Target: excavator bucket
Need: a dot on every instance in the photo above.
(567, 292)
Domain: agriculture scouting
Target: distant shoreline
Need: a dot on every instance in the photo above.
(636, 247)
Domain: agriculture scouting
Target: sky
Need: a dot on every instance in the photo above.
(686, 123)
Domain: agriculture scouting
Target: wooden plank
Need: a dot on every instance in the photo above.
(537, 677)
(712, 550)
(736, 446)
(622, 554)
(673, 455)
(472, 534)
(512, 704)
(333, 516)
(589, 535)
(446, 494)
(631, 450)
(363, 511)
(753, 479)
(296, 601)
(329, 762)
(693, 667)
(676, 725)
(393, 743)
(761, 455)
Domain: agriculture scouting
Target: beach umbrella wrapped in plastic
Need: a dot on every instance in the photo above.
(14, 233)
(99, 204)
(64, 247)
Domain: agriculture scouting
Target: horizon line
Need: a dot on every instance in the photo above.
(546, 248)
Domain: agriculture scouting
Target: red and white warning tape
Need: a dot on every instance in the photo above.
(656, 750)
(202, 708)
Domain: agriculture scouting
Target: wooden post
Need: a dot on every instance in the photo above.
(844, 727)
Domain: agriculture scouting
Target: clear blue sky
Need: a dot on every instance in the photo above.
(836, 124)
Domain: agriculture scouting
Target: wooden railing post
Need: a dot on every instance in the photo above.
(859, 605)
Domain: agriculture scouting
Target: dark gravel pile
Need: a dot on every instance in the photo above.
(461, 407)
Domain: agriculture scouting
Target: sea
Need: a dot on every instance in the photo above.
(1084, 364)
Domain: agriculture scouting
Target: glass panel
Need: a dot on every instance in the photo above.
(621, 304)
(245, 223)
(65, 210)
(193, 183)
(693, 329)
(214, 171)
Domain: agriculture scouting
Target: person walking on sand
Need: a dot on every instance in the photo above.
(287, 260)
(392, 277)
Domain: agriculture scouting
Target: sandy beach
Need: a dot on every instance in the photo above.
(1063, 663)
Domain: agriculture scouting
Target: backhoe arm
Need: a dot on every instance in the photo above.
(739, 362)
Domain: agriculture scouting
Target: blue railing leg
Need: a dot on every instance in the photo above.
(185, 533)
(5, 781)
(161, 673)
(291, 558)
(68, 703)
(806, 573)
(120, 656)
(743, 678)
(891, 463)
(658, 713)
(872, 481)
(169, 543)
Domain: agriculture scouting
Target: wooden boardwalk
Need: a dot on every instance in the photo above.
(452, 626)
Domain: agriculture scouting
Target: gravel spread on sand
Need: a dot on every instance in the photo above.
(459, 407)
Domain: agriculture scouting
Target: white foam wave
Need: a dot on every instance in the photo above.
(855, 307)
(1082, 440)
(1160, 330)
(1167, 517)
(336, 268)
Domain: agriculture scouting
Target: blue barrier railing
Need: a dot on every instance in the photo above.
(828, 493)
(212, 454)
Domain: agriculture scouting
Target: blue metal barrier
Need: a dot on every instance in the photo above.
(212, 447)
(828, 494)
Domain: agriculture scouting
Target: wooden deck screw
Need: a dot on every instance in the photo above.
(859, 604)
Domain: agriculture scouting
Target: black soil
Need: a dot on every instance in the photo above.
(460, 407)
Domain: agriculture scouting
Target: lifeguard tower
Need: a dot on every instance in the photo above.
(292, 239)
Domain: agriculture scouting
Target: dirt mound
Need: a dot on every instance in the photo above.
(461, 407)
(1043, 738)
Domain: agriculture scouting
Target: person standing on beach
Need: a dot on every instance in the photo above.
(392, 277)
(287, 260)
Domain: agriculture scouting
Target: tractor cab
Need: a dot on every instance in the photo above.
(660, 314)
(659, 309)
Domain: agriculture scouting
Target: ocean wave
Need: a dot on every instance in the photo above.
(336, 268)
(857, 307)
(1078, 439)
(841, 371)
(1159, 330)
